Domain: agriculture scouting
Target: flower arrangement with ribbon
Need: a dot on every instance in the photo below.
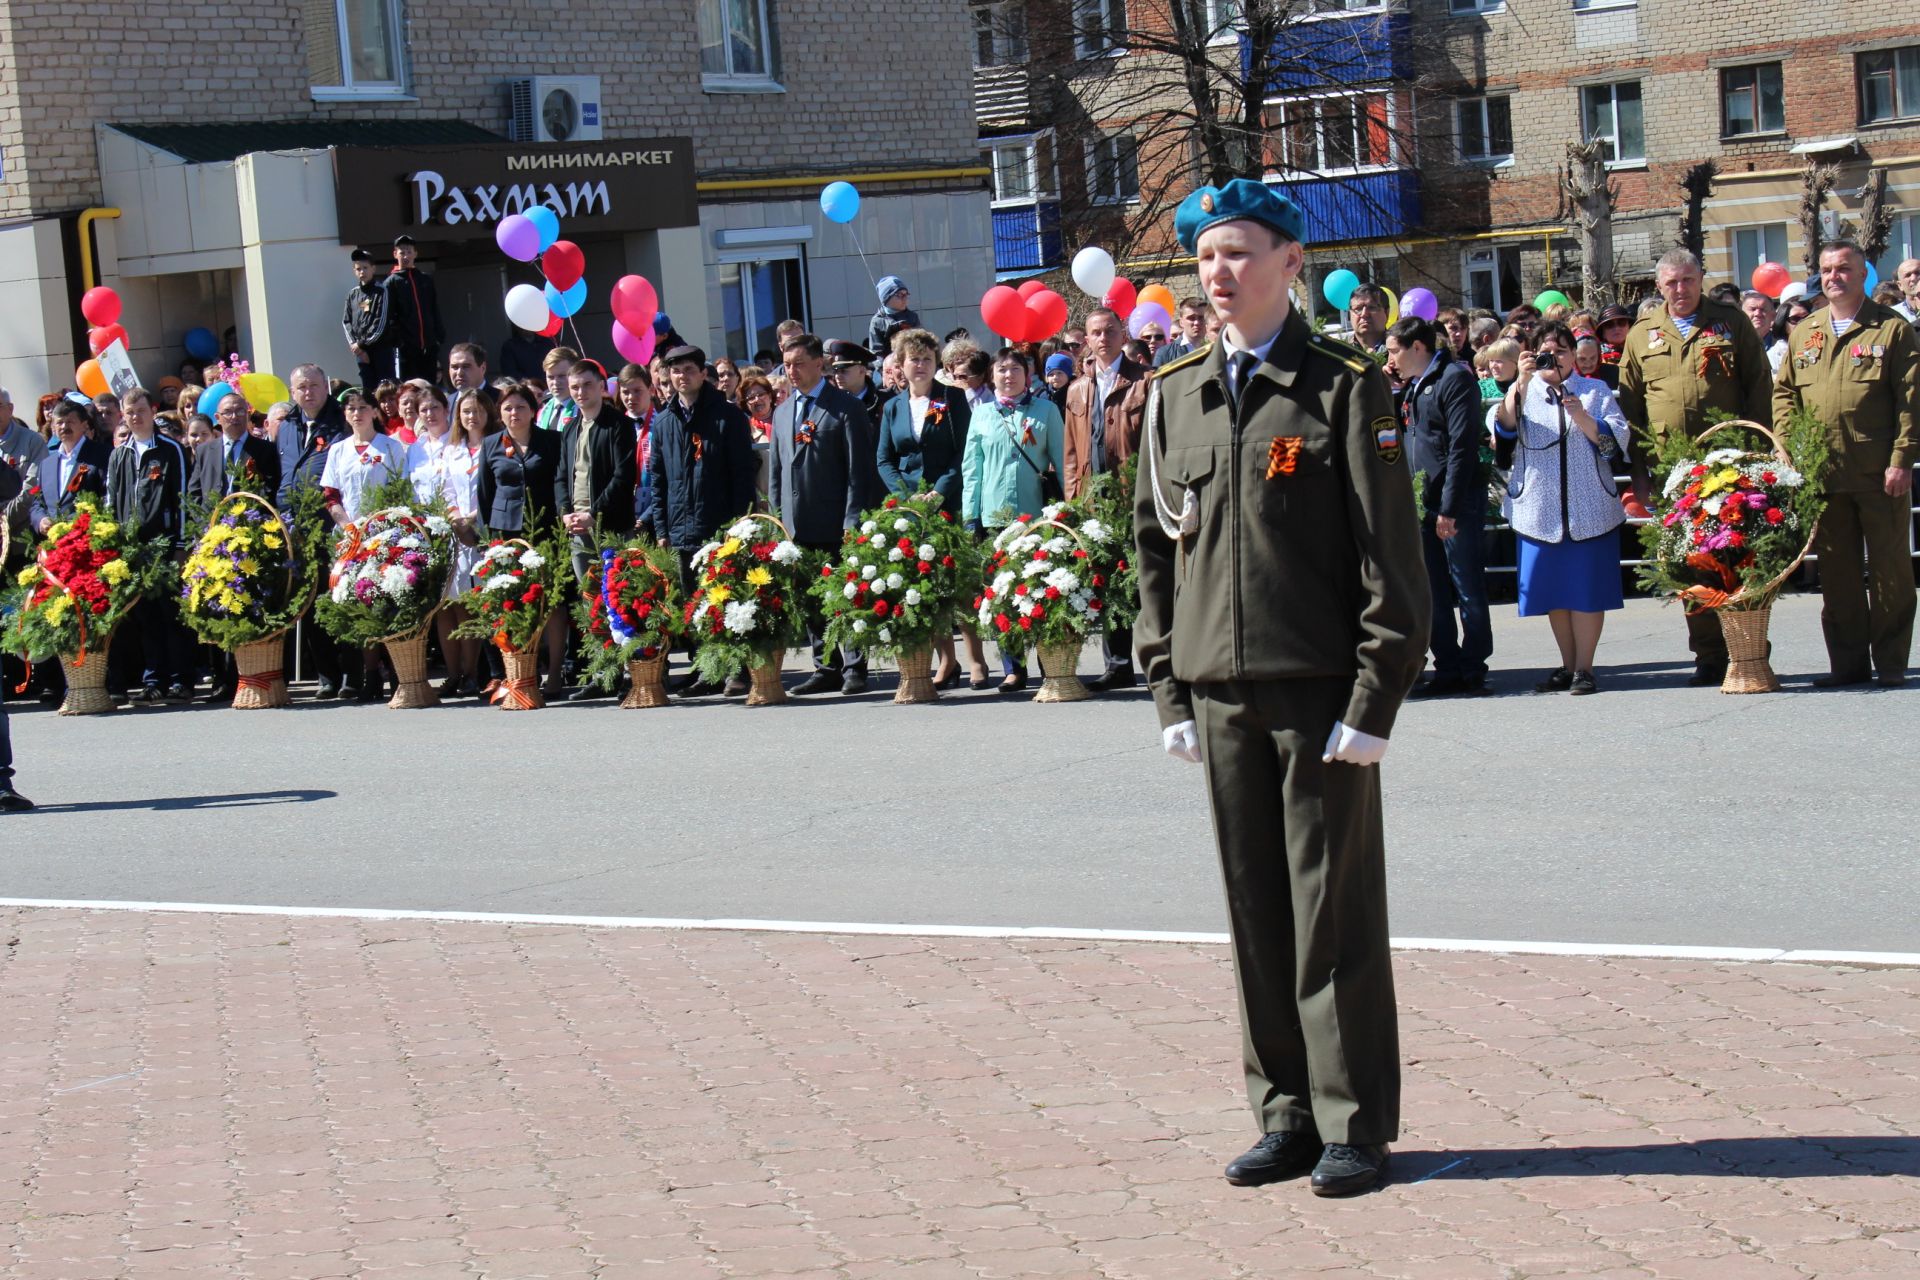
(634, 610)
(902, 575)
(85, 581)
(1047, 581)
(389, 569)
(1732, 523)
(751, 598)
(517, 586)
(247, 578)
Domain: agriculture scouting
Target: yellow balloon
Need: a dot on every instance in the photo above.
(1393, 306)
(263, 390)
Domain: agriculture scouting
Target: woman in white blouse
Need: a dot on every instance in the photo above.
(444, 464)
(362, 462)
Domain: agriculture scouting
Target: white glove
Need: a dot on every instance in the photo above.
(1350, 746)
(1182, 741)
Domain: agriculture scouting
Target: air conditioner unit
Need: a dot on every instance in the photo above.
(554, 109)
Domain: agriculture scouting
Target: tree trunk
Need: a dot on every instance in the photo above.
(1816, 183)
(1592, 197)
(1876, 216)
(1698, 186)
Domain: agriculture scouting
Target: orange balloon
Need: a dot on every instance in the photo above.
(90, 379)
(1161, 294)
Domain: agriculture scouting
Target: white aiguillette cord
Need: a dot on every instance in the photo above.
(1175, 524)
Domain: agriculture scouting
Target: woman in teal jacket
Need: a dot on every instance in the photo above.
(1012, 443)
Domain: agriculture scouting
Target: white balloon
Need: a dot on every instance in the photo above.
(527, 307)
(1093, 270)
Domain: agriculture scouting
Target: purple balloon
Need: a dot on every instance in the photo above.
(518, 238)
(1420, 302)
(1147, 313)
(635, 347)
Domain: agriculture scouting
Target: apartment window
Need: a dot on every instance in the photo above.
(1113, 169)
(1492, 278)
(1475, 6)
(1099, 27)
(759, 288)
(1889, 84)
(1000, 34)
(1341, 6)
(1023, 169)
(1610, 114)
(1755, 245)
(1339, 133)
(736, 44)
(1751, 101)
(1486, 128)
(1222, 17)
(355, 48)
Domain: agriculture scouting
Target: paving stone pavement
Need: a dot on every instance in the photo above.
(281, 1098)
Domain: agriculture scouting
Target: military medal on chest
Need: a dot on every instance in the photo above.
(1810, 354)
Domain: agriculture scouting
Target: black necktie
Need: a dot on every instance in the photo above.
(1239, 365)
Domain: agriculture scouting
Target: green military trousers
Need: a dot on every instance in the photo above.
(1304, 861)
(1867, 611)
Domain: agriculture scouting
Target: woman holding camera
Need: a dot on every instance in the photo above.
(1564, 432)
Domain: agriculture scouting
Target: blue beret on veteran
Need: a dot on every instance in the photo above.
(1242, 198)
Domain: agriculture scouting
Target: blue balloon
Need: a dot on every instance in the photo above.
(1873, 278)
(549, 223)
(564, 303)
(202, 345)
(661, 324)
(1338, 287)
(839, 201)
(210, 398)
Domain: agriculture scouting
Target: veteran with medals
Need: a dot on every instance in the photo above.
(1283, 619)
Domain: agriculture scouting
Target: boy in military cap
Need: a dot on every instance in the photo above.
(1275, 501)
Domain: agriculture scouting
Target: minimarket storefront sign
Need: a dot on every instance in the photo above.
(461, 192)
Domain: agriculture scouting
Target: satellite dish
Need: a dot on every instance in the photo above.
(560, 113)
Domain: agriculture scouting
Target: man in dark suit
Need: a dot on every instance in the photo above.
(1105, 406)
(147, 493)
(12, 485)
(77, 465)
(305, 434)
(823, 475)
(235, 459)
(1440, 404)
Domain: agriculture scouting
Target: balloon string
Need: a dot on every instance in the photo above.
(871, 278)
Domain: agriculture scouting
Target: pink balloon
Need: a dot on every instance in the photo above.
(635, 303)
(637, 347)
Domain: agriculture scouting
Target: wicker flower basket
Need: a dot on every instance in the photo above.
(767, 691)
(648, 678)
(1060, 664)
(263, 680)
(916, 678)
(408, 654)
(520, 691)
(87, 681)
(1748, 670)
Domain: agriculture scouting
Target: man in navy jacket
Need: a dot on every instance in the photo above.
(1441, 406)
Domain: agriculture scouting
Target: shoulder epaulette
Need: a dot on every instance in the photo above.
(1351, 356)
(1192, 357)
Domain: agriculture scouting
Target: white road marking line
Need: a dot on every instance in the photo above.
(1624, 951)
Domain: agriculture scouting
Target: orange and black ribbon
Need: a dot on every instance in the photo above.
(1283, 456)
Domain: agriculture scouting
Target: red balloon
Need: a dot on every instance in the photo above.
(563, 264)
(1770, 278)
(554, 325)
(1047, 313)
(100, 339)
(635, 303)
(1032, 287)
(100, 305)
(1121, 297)
(1005, 312)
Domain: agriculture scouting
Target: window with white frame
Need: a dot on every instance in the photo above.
(736, 44)
(1889, 84)
(1611, 114)
(1099, 27)
(1023, 168)
(1113, 169)
(759, 288)
(1485, 128)
(1751, 100)
(355, 47)
(1755, 245)
(1475, 6)
(1000, 33)
(1221, 16)
(1491, 278)
(1334, 133)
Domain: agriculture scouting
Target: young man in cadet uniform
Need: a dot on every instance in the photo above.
(1283, 619)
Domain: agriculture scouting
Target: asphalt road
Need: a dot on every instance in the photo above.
(1651, 814)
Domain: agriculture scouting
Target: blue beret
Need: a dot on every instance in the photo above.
(1059, 362)
(1242, 198)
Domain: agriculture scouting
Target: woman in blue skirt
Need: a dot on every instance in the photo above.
(1563, 433)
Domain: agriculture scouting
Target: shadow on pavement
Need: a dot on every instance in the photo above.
(171, 804)
(1829, 1156)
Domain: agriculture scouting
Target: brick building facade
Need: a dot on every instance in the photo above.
(775, 98)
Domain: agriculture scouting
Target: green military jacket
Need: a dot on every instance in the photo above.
(1865, 385)
(1285, 546)
(1669, 383)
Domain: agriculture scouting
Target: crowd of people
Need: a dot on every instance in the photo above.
(1527, 418)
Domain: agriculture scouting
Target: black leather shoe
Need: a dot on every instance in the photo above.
(1276, 1157)
(737, 687)
(1344, 1170)
(50, 696)
(698, 689)
(950, 681)
(1837, 681)
(818, 682)
(853, 682)
(587, 693)
(1112, 678)
(1583, 683)
(1559, 680)
(685, 683)
(221, 693)
(1015, 683)
(1707, 675)
(12, 801)
(371, 691)
(980, 684)
(1890, 680)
